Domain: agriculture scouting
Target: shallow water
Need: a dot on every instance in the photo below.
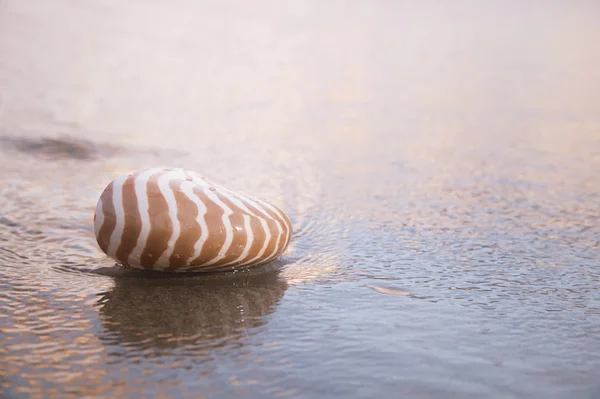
(439, 163)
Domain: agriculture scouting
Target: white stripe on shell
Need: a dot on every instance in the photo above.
(201, 180)
(187, 189)
(99, 217)
(256, 205)
(249, 241)
(264, 247)
(117, 198)
(226, 223)
(239, 202)
(275, 252)
(283, 220)
(165, 189)
(141, 192)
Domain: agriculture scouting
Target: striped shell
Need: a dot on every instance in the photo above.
(177, 220)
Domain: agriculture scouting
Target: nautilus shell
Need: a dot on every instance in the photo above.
(177, 220)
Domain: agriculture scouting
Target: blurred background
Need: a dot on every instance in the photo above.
(439, 161)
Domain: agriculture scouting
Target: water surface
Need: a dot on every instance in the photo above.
(440, 163)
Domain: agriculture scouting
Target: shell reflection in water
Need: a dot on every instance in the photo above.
(160, 313)
(176, 220)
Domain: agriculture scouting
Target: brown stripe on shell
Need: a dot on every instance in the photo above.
(110, 218)
(216, 229)
(288, 223)
(259, 237)
(281, 242)
(271, 225)
(187, 212)
(239, 234)
(132, 225)
(161, 226)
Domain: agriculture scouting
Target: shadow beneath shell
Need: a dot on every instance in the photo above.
(117, 271)
(163, 312)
